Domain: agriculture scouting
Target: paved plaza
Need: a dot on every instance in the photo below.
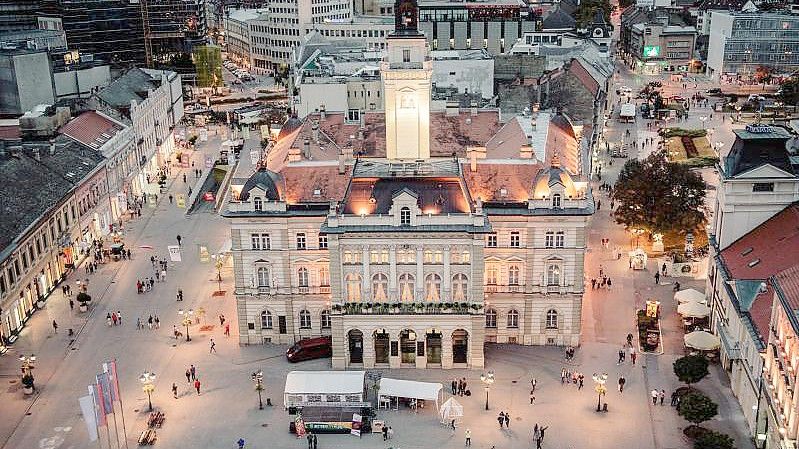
(227, 407)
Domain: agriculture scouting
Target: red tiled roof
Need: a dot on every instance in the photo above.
(760, 311)
(766, 250)
(89, 127)
(301, 181)
(788, 281)
(489, 179)
(585, 78)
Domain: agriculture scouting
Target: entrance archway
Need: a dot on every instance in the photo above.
(460, 346)
(408, 346)
(433, 343)
(382, 340)
(355, 338)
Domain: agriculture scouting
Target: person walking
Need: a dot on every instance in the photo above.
(71, 305)
(468, 435)
(655, 395)
(454, 385)
(309, 438)
(178, 238)
(674, 398)
(174, 390)
(662, 396)
(633, 354)
(621, 357)
(193, 372)
(55, 327)
(240, 443)
(507, 420)
(533, 383)
(197, 386)
(180, 295)
(501, 419)
(119, 317)
(532, 396)
(188, 375)
(622, 381)
(316, 441)
(170, 198)
(227, 330)
(213, 346)
(221, 320)
(657, 277)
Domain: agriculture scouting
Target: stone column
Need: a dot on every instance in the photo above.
(392, 274)
(419, 274)
(421, 361)
(339, 359)
(366, 283)
(446, 282)
(446, 349)
(368, 350)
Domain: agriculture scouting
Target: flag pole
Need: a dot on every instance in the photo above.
(96, 420)
(121, 407)
(116, 430)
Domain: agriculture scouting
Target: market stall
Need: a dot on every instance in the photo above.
(410, 392)
(638, 259)
(324, 387)
(451, 410)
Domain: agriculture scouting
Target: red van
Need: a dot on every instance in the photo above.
(310, 348)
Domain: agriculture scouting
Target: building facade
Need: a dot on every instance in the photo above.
(656, 48)
(740, 42)
(247, 38)
(421, 249)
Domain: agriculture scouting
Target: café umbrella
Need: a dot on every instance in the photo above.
(689, 295)
(701, 340)
(693, 310)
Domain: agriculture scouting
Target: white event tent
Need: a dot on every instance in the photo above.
(301, 384)
(396, 388)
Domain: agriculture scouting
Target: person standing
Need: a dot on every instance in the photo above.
(507, 420)
(454, 385)
(55, 327)
(468, 437)
(309, 438)
(533, 383)
(174, 390)
(188, 375)
(532, 396)
(178, 238)
(315, 441)
(657, 277)
(193, 372)
(227, 330)
(633, 355)
(197, 386)
(662, 396)
(655, 395)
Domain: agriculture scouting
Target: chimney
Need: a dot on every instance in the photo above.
(52, 148)
(322, 113)
(342, 159)
(453, 108)
(294, 155)
(315, 131)
(306, 148)
(473, 109)
(472, 160)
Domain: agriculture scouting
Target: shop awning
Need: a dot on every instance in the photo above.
(410, 389)
(325, 382)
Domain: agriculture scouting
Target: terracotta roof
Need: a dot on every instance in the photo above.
(766, 250)
(91, 128)
(788, 282)
(488, 181)
(576, 68)
(375, 196)
(302, 181)
(508, 140)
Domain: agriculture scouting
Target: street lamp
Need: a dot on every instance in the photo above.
(258, 378)
(488, 380)
(218, 263)
(186, 320)
(147, 378)
(600, 388)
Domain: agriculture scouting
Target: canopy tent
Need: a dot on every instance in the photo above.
(396, 388)
(299, 384)
(450, 409)
(689, 295)
(701, 340)
(693, 310)
(638, 259)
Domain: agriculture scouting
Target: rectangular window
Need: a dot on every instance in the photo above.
(763, 187)
(491, 241)
(406, 55)
(322, 241)
(301, 240)
(256, 241)
(560, 239)
(515, 239)
(549, 240)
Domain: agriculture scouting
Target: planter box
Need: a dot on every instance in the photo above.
(27, 391)
(83, 307)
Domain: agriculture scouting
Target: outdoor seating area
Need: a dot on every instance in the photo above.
(692, 306)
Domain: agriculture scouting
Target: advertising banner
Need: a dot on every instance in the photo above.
(174, 253)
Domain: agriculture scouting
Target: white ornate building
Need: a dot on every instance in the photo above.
(412, 236)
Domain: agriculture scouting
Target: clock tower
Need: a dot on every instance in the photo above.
(407, 71)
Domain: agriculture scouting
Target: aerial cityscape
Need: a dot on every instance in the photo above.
(399, 224)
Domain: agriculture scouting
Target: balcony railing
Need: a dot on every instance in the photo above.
(407, 308)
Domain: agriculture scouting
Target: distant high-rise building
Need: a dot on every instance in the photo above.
(18, 14)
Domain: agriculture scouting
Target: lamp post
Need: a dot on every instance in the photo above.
(600, 388)
(218, 263)
(147, 378)
(488, 380)
(258, 378)
(27, 363)
(186, 315)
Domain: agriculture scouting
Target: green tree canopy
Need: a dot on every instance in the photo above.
(697, 408)
(714, 440)
(585, 13)
(691, 368)
(659, 196)
(790, 91)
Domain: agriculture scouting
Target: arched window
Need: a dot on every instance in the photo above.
(513, 275)
(553, 274)
(353, 287)
(492, 275)
(263, 277)
(460, 287)
(380, 287)
(324, 277)
(513, 319)
(324, 317)
(266, 319)
(491, 318)
(258, 203)
(432, 287)
(552, 319)
(305, 319)
(302, 277)
(556, 200)
(405, 216)
(407, 287)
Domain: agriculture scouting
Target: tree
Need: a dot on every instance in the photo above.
(697, 408)
(789, 91)
(83, 297)
(584, 15)
(659, 196)
(714, 440)
(763, 73)
(691, 368)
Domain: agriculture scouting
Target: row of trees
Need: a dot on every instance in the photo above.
(697, 408)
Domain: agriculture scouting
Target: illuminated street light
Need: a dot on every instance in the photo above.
(600, 388)
(147, 378)
(258, 378)
(186, 315)
(488, 380)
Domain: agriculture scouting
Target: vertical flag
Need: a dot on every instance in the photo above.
(98, 405)
(111, 369)
(104, 393)
(89, 416)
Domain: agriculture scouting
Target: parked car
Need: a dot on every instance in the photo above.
(310, 348)
(713, 91)
(755, 97)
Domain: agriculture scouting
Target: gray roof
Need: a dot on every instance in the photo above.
(558, 20)
(133, 85)
(32, 187)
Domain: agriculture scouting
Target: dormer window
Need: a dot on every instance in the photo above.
(405, 216)
(556, 201)
(258, 204)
